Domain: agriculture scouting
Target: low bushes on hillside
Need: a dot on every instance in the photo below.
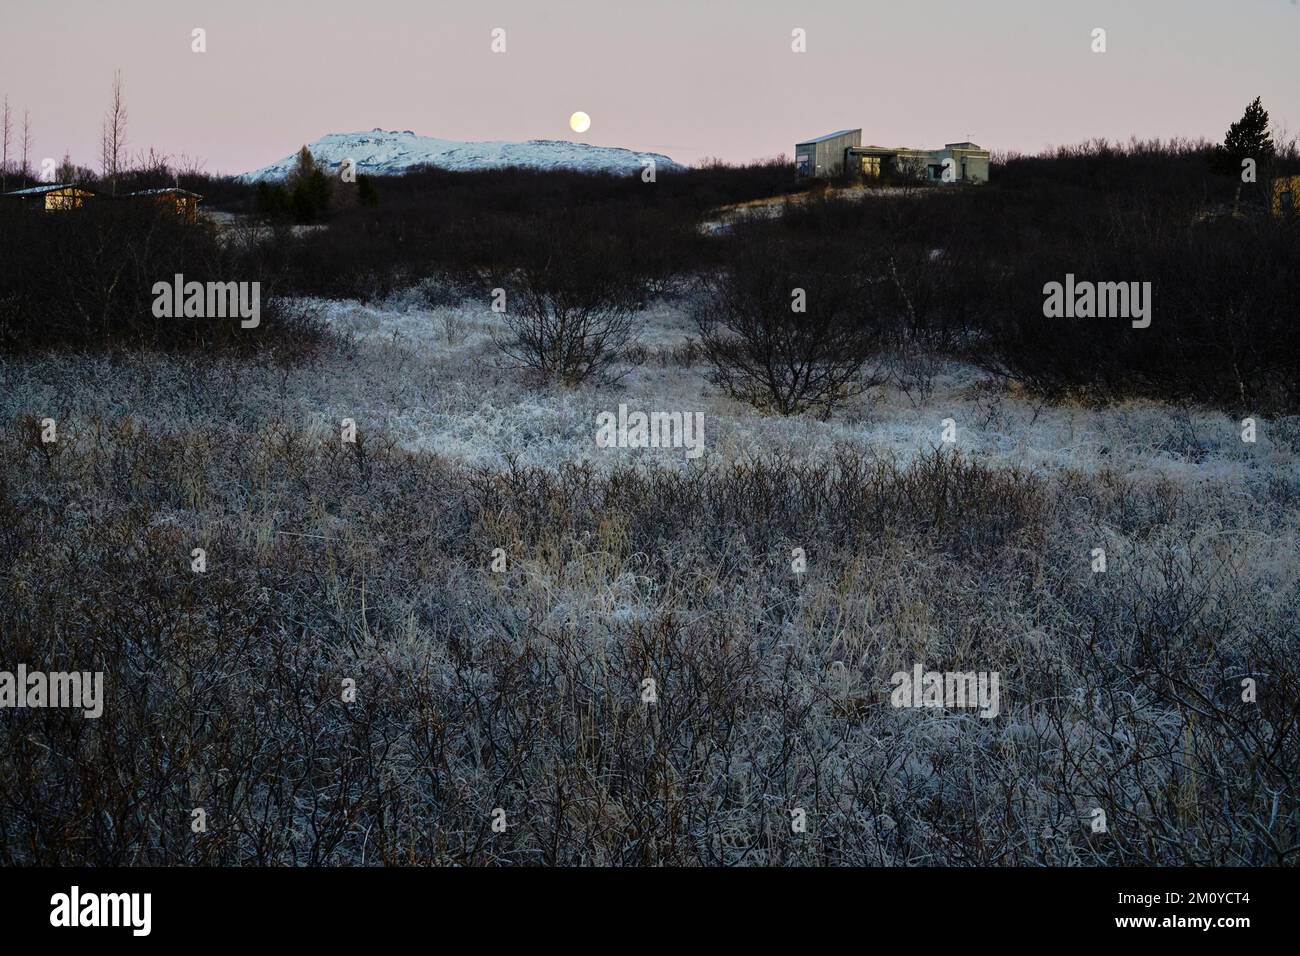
(969, 267)
(86, 279)
(925, 271)
(1222, 331)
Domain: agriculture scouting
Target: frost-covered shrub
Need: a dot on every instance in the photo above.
(786, 330)
(570, 309)
(520, 687)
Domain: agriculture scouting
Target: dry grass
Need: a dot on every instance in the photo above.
(522, 689)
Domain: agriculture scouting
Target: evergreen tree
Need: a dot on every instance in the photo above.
(306, 165)
(309, 189)
(272, 201)
(318, 188)
(1248, 138)
(366, 193)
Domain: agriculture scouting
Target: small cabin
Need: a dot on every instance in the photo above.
(182, 202)
(51, 198)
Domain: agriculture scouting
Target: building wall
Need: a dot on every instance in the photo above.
(916, 161)
(827, 157)
(59, 199)
(1286, 195)
(805, 159)
(852, 138)
(969, 165)
(976, 164)
(186, 207)
(826, 162)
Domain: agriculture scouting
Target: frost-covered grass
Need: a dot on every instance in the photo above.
(521, 689)
(432, 380)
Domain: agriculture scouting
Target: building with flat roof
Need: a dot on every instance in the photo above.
(840, 153)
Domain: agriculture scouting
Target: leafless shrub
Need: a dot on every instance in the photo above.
(785, 332)
(685, 355)
(454, 326)
(570, 314)
(521, 689)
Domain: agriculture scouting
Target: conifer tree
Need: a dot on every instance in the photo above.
(1248, 138)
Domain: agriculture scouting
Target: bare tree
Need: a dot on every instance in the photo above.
(151, 169)
(569, 317)
(187, 167)
(112, 145)
(27, 144)
(4, 158)
(104, 161)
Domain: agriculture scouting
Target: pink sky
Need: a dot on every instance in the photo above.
(690, 78)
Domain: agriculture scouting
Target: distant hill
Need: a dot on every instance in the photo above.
(389, 152)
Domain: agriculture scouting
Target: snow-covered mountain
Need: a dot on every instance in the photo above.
(388, 152)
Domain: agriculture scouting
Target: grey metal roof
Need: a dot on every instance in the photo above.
(822, 139)
(164, 191)
(38, 190)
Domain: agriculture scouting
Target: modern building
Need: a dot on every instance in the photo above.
(53, 197)
(824, 156)
(836, 154)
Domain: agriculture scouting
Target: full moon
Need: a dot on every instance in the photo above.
(579, 122)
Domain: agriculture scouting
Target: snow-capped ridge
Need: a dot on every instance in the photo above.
(381, 152)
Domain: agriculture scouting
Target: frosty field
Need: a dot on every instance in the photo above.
(431, 380)
(523, 689)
